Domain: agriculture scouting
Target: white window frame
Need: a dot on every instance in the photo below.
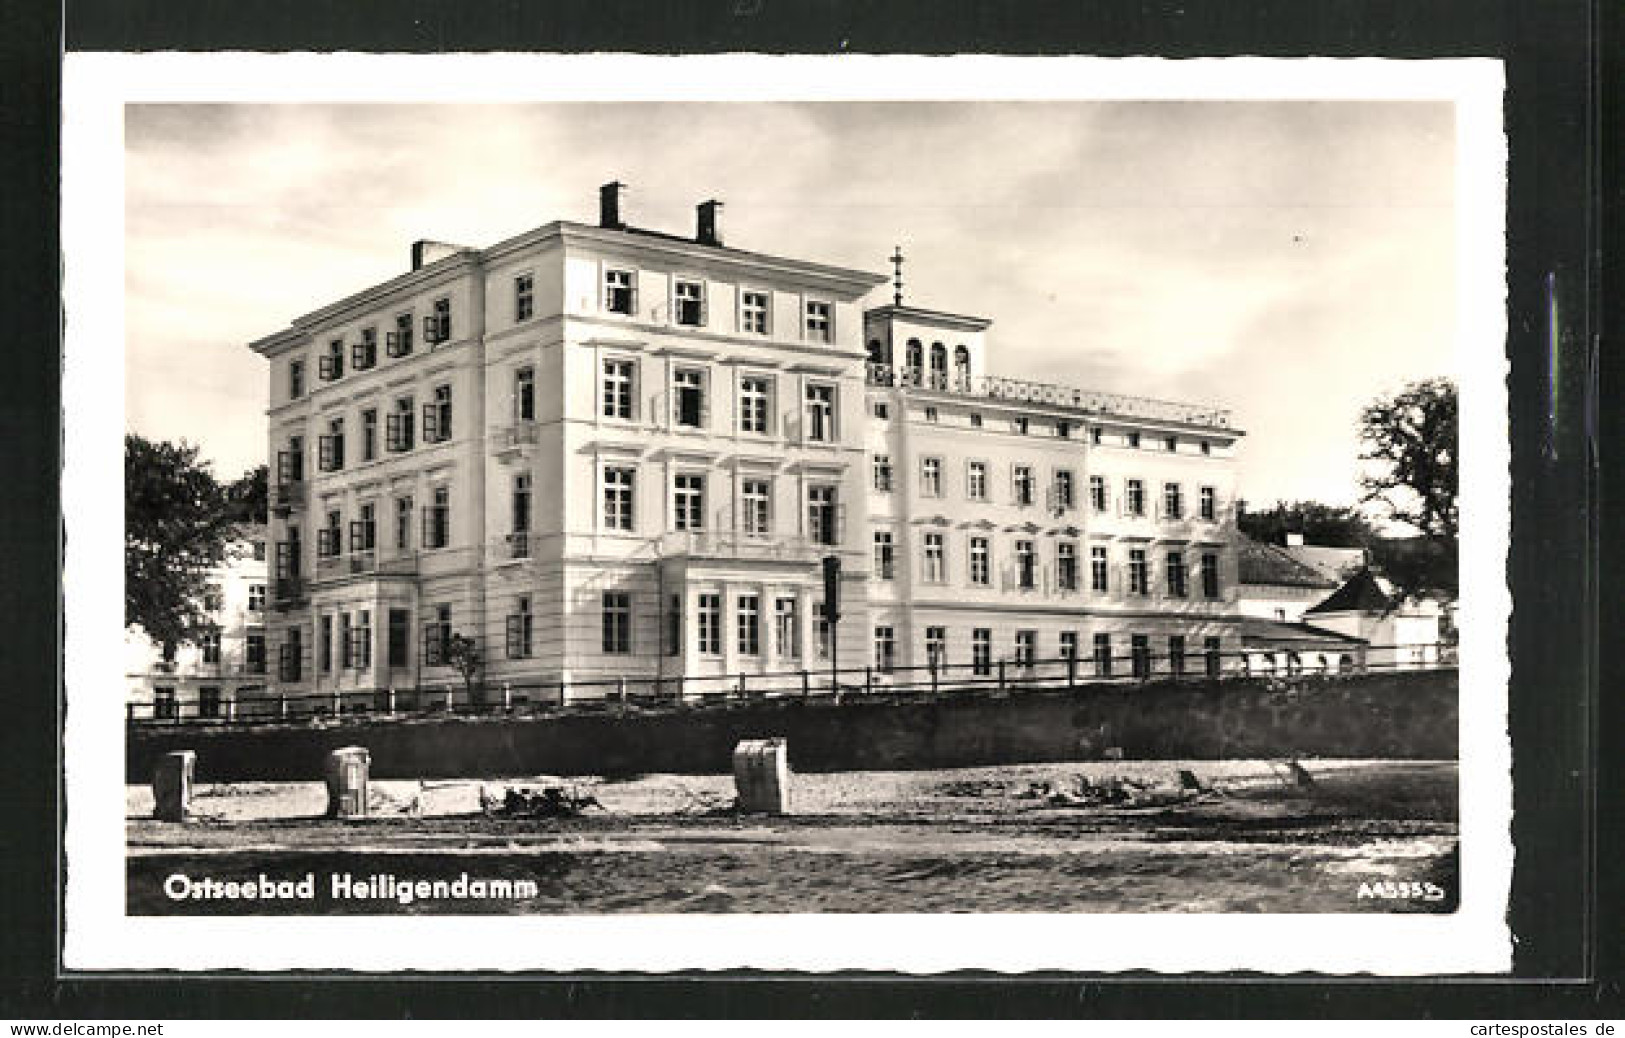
(820, 328)
(746, 312)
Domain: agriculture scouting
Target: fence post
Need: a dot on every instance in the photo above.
(449, 705)
(507, 698)
(933, 677)
(1001, 676)
(129, 712)
(742, 689)
(620, 691)
(282, 705)
(392, 700)
(682, 693)
(338, 703)
(806, 685)
(1071, 671)
(869, 679)
(231, 708)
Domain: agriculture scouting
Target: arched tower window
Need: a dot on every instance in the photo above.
(916, 361)
(939, 366)
(879, 370)
(962, 369)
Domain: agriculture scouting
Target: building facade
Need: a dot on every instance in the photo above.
(225, 674)
(609, 455)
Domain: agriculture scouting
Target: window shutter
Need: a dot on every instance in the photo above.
(705, 299)
(355, 536)
(424, 535)
(515, 634)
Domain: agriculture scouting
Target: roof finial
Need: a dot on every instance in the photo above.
(897, 278)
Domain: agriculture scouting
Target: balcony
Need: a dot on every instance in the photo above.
(512, 441)
(361, 563)
(511, 547)
(729, 545)
(288, 592)
(997, 387)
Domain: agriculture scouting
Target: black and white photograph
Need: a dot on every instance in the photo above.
(720, 512)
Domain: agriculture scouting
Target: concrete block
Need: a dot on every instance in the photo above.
(347, 772)
(762, 776)
(172, 785)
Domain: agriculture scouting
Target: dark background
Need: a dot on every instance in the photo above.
(1566, 912)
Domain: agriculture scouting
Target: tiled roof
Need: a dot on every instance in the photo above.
(1360, 594)
(1333, 563)
(1262, 563)
(1257, 632)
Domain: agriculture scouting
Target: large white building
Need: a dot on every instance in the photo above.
(612, 454)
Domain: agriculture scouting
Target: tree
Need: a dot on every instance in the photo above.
(1334, 526)
(462, 654)
(1411, 442)
(177, 524)
(248, 496)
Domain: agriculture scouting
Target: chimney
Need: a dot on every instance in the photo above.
(425, 252)
(610, 197)
(710, 223)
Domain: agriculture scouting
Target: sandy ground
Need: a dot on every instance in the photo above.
(972, 839)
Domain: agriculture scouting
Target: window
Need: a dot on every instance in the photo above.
(915, 354)
(327, 538)
(211, 648)
(361, 641)
(524, 297)
(324, 643)
(688, 303)
(975, 419)
(437, 637)
(748, 625)
(1134, 497)
(1026, 648)
(519, 626)
(932, 415)
(976, 480)
(820, 413)
(980, 561)
(1063, 489)
(1066, 566)
(618, 389)
(398, 426)
(254, 653)
(1207, 448)
(399, 621)
(437, 325)
(1021, 425)
(885, 648)
(754, 393)
(674, 625)
(1139, 576)
(1021, 484)
(1069, 645)
(619, 293)
(290, 657)
(1210, 575)
(1170, 443)
(885, 558)
(1176, 654)
(618, 497)
(935, 564)
(364, 354)
(208, 701)
(398, 343)
(883, 473)
(437, 520)
(939, 366)
(369, 434)
(259, 551)
(688, 397)
(617, 633)
(1026, 565)
(1133, 439)
(936, 646)
(786, 629)
(331, 364)
(524, 394)
(403, 523)
(930, 477)
(1140, 655)
(1097, 568)
(296, 379)
(823, 518)
(1176, 575)
(1096, 435)
(437, 416)
(1210, 656)
(1103, 655)
(1173, 501)
(882, 410)
(819, 326)
(1063, 430)
(290, 464)
(330, 448)
(1207, 502)
(1097, 493)
(256, 598)
(688, 501)
(962, 369)
(519, 538)
(756, 500)
(981, 651)
(710, 624)
(213, 599)
(753, 310)
(364, 530)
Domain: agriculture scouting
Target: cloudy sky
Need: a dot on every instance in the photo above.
(1291, 260)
